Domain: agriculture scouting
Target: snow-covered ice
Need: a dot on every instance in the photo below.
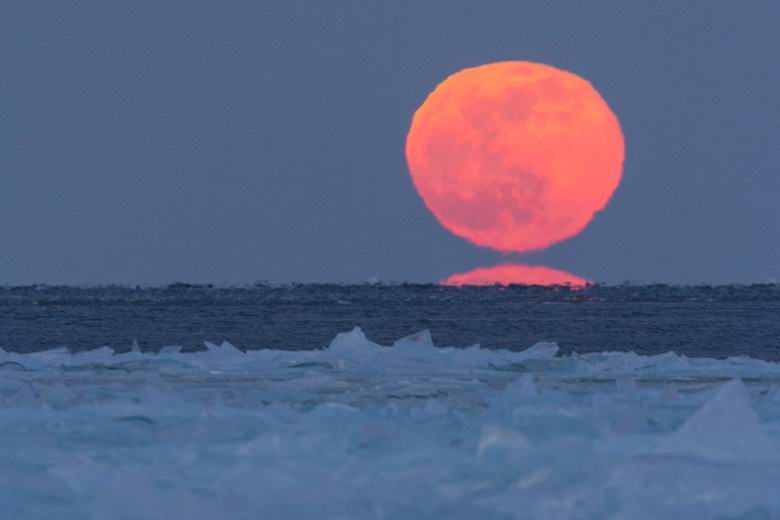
(410, 430)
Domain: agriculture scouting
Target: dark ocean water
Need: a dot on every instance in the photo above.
(697, 321)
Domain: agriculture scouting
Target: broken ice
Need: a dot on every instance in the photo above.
(360, 430)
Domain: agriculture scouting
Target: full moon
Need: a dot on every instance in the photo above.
(515, 155)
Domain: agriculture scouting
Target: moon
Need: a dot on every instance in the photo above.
(508, 274)
(515, 156)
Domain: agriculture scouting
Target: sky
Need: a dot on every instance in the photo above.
(228, 142)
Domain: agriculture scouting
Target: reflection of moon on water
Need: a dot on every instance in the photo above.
(507, 274)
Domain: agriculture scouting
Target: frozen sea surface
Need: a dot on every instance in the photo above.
(402, 431)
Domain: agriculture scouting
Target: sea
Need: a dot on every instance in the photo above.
(709, 321)
(390, 401)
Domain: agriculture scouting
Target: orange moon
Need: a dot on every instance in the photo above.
(508, 274)
(515, 155)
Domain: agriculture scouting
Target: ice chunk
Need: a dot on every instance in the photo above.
(225, 349)
(523, 388)
(224, 355)
(537, 356)
(501, 442)
(12, 365)
(541, 350)
(158, 393)
(725, 428)
(421, 338)
(17, 393)
(418, 346)
(353, 346)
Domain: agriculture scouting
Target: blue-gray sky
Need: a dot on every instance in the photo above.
(202, 141)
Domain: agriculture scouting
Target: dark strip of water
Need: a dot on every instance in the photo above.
(708, 321)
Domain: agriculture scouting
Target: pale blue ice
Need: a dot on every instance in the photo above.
(407, 431)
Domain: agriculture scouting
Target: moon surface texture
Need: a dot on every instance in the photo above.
(515, 156)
